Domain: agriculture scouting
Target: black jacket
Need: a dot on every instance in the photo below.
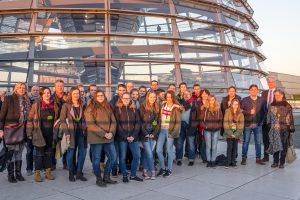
(224, 103)
(261, 111)
(194, 121)
(128, 122)
(150, 123)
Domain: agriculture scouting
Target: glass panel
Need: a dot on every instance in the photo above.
(95, 4)
(198, 31)
(243, 79)
(240, 59)
(127, 71)
(155, 6)
(240, 39)
(60, 22)
(12, 48)
(69, 47)
(13, 72)
(201, 54)
(15, 23)
(235, 4)
(71, 72)
(16, 4)
(138, 48)
(236, 21)
(141, 25)
(195, 10)
(206, 76)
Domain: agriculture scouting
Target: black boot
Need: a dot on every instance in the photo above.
(100, 182)
(11, 172)
(107, 180)
(79, 176)
(71, 176)
(18, 166)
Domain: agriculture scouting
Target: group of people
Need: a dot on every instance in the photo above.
(139, 127)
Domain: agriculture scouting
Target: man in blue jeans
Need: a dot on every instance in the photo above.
(255, 110)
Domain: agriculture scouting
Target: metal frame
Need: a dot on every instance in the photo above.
(175, 38)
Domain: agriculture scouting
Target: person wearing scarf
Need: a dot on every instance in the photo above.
(170, 126)
(280, 119)
(14, 115)
(74, 127)
(40, 132)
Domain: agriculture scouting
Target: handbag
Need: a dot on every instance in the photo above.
(14, 134)
(291, 153)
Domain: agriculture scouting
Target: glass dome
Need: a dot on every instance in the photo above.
(107, 42)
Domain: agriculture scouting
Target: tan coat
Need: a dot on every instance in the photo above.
(99, 122)
(33, 129)
(228, 120)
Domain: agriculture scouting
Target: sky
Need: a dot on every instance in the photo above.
(279, 28)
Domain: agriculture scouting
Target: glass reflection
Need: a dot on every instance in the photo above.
(206, 76)
(69, 47)
(141, 25)
(14, 48)
(63, 23)
(155, 6)
(139, 48)
(15, 23)
(127, 71)
(71, 72)
(71, 4)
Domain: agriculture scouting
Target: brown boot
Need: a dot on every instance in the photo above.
(48, 174)
(37, 176)
(102, 167)
(244, 161)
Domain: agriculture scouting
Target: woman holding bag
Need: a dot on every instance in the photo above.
(40, 131)
(13, 119)
(73, 125)
(280, 119)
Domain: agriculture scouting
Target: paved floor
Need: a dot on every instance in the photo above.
(197, 182)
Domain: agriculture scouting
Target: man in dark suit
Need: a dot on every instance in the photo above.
(268, 96)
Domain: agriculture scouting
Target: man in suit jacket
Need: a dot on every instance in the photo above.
(268, 96)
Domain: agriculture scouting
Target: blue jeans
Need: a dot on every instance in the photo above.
(211, 141)
(257, 132)
(79, 143)
(136, 154)
(111, 154)
(190, 141)
(163, 136)
(148, 161)
(115, 165)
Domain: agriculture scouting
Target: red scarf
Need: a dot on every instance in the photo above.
(45, 106)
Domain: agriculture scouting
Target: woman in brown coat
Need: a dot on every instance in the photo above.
(101, 129)
(40, 131)
(73, 125)
(13, 118)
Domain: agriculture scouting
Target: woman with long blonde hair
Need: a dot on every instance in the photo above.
(73, 123)
(13, 119)
(211, 121)
(150, 125)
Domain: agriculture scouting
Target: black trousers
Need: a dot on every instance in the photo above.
(285, 144)
(231, 150)
(43, 158)
(265, 137)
